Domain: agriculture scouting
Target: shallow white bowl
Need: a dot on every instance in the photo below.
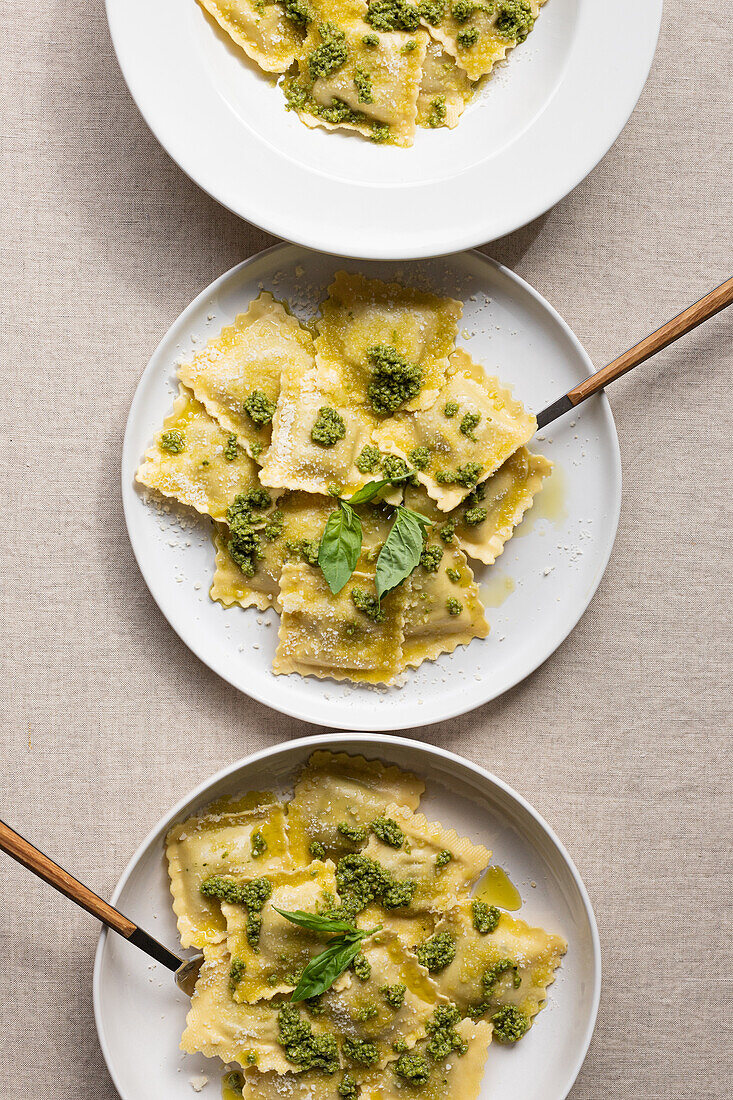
(542, 123)
(555, 561)
(140, 1013)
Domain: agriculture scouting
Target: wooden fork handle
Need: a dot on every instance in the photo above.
(14, 845)
(684, 322)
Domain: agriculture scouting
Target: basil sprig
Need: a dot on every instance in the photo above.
(341, 950)
(340, 544)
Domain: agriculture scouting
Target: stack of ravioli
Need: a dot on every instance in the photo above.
(380, 67)
(418, 1008)
(272, 424)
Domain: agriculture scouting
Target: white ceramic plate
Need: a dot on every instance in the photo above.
(540, 126)
(554, 563)
(140, 1013)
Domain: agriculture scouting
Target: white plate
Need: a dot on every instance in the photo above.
(140, 1013)
(556, 563)
(543, 122)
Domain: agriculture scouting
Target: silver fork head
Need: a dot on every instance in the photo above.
(187, 974)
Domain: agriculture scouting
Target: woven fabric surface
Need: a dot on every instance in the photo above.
(620, 739)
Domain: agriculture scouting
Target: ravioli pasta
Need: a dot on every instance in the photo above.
(377, 68)
(278, 424)
(415, 1010)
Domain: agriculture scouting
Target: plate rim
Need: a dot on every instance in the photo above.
(326, 741)
(271, 700)
(319, 233)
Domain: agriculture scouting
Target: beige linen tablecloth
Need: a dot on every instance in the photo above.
(620, 739)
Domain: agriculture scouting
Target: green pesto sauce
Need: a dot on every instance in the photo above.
(366, 1012)
(394, 995)
(453, 575)
(468, 38)
(474, 516)
(258, 844)
(447, 531)
(470, 421)
(298, 97)
(256, 448)
(388, 831)
(450, 409)
(359, 1051)
(368, 460)
(466, 475)
(396, 469)
(491, 976)
(437, 952)
(347, 1087)
(462, 10)
(392, 15)
(432, 11)
(361, 880)
(330, 55)
(420, 457)
(455, 607)
(301, 1046)
(252, 895)
(363, 85)
(408, 47)
(329, 427)
(232, 448)
(246, 528)
(443, 859)
(362, 967)
(510, 1024)
(317, 850)
(444, 1038)
(485, 917)
(399, 1046)
(370, 40)
(436, 114)
(306, 549)
(297, 12)
(355, 833)
(368, 604)
(431, 558)
(173, 442)
(236, 973)
(413, 1068)
(515, 19)
(393, 380)
(259, 408)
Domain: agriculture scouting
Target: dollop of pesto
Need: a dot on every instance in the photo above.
(408, 47)
(392, 15)
(431, 558)
(399, 895)
(444, 1038)
(306, 549)
(355, 833)
(362, 967)
(455, 607)
(347, 1088)
(437, 113)
(468, 38)
(515, 19)
(259, 408)
(231, 449)
(368, 604)
(447, 531)
(394, 995)
(466, 475)
(510, 1024)
(462, 10)
(330, 55)
(317, 850)
(236, 973)
(301, 1046)
(363, 85)
(485, 917)
(420, 457)
(432, 11)
(443, 859)
(172, 441)
(381, 133)
(399, 1046)
(359, 1051)
(469, 423)
(368, 460)
(366, 1012)
(450, 409)
(258, 844)
(491, 976)
(329, 427)
(297, 12)
(246, 529)
(393, 380)
(370, 40)
(413, 1068)
(388, 831)
(252, 895)
(474, 516)
(453, 575)
(437, 952)
(361, 880)
(396, 469)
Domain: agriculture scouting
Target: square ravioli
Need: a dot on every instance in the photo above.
(334, 789)
(472, 428)
(310, 1085)
(190, 462)
(384, 345)
(445, 90)
(221, 842)
(236, 377)
(457, 1075)
(442, 864)
(510, 963)
(480, 35)
(264, 31)
(443, 608)
(330, 636)
(354, 79)
(267, 948)
(485, 521)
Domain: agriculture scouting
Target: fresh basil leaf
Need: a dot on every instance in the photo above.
(401, 551)
(369, 491)
(340, 547)
(417, 516)
(323, 970)
(316, 923)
